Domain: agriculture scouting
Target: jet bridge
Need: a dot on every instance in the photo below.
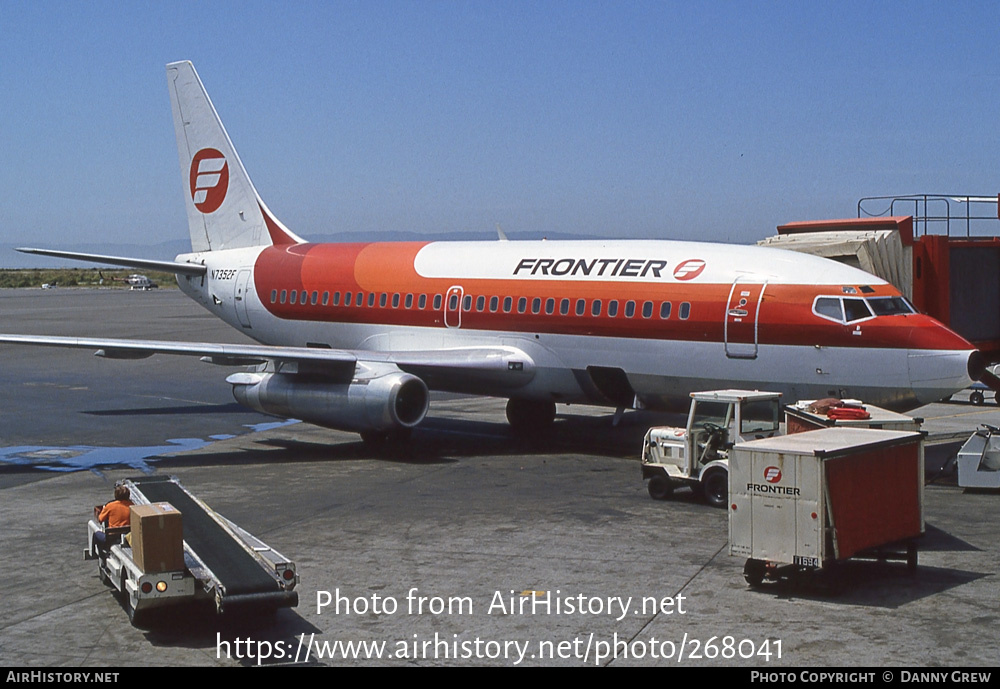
(944, 256)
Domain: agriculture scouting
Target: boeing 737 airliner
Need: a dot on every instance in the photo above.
(353, 336)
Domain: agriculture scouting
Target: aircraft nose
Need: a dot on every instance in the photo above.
(937, 374)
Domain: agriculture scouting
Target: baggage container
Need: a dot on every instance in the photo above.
(805, 501)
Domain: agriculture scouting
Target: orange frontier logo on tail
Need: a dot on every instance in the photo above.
(209, 179)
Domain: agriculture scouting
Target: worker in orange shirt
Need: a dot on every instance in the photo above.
(114, 514)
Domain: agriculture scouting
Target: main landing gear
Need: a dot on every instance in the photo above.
(530, 415)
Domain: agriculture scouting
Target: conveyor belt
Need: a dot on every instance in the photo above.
(237, 570)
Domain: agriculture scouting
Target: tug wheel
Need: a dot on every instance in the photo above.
(660, 488)
(715, 487)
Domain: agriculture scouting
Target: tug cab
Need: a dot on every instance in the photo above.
(698, 455)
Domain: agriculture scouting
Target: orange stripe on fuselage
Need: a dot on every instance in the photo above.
(786, 315)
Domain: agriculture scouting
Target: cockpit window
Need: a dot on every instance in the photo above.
(829, 307)
(843, 309)
(889, 306)
(856, 310)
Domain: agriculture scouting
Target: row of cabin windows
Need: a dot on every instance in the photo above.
(579, 308)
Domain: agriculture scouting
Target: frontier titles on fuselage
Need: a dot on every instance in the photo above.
(598, 267)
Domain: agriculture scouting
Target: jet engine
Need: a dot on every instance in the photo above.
(380, 403)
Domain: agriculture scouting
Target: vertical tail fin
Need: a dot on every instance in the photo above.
(223, 208)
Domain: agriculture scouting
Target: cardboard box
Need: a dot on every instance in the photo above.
(157, 537)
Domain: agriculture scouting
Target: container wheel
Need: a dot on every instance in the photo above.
(911, 557)
(977, 397)
(753, 572)
(660, 488)
(715, 487)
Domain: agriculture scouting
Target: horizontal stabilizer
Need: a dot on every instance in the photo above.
(169, 266)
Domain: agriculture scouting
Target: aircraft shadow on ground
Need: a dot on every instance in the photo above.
(442, 440)
(230, 408)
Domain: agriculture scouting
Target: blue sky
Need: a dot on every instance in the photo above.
(676, 120)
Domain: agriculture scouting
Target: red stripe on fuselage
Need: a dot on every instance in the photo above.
(785, 315)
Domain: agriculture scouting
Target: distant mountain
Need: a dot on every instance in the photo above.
(166, 251)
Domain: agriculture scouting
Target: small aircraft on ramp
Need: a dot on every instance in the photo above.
(134, 281)
(353, 336)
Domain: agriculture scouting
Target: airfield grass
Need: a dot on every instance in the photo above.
(76, 277)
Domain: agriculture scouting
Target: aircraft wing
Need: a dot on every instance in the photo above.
(443, 369)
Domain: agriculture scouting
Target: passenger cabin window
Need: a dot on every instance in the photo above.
(613, 308)
(336, 298)
(274, 295)
(409, 301)
(422, 302)
(371, 299)
(480, 303)
(467, 303)
(581, 306)
(595, 308)
(507, 303)
(437, 302)
(347, 298)
(665, 310)
(326, 298)
(395, 301)
(382, 299)
(550, 306)
(647, 309)
(494, 304)
(685, 310)
(293, 297)
(629, 309)
(522, 304)
(536, 305)
(564, 307)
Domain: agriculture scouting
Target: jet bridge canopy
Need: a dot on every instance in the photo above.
(945, 257)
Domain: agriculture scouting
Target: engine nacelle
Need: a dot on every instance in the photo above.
(387, 402)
